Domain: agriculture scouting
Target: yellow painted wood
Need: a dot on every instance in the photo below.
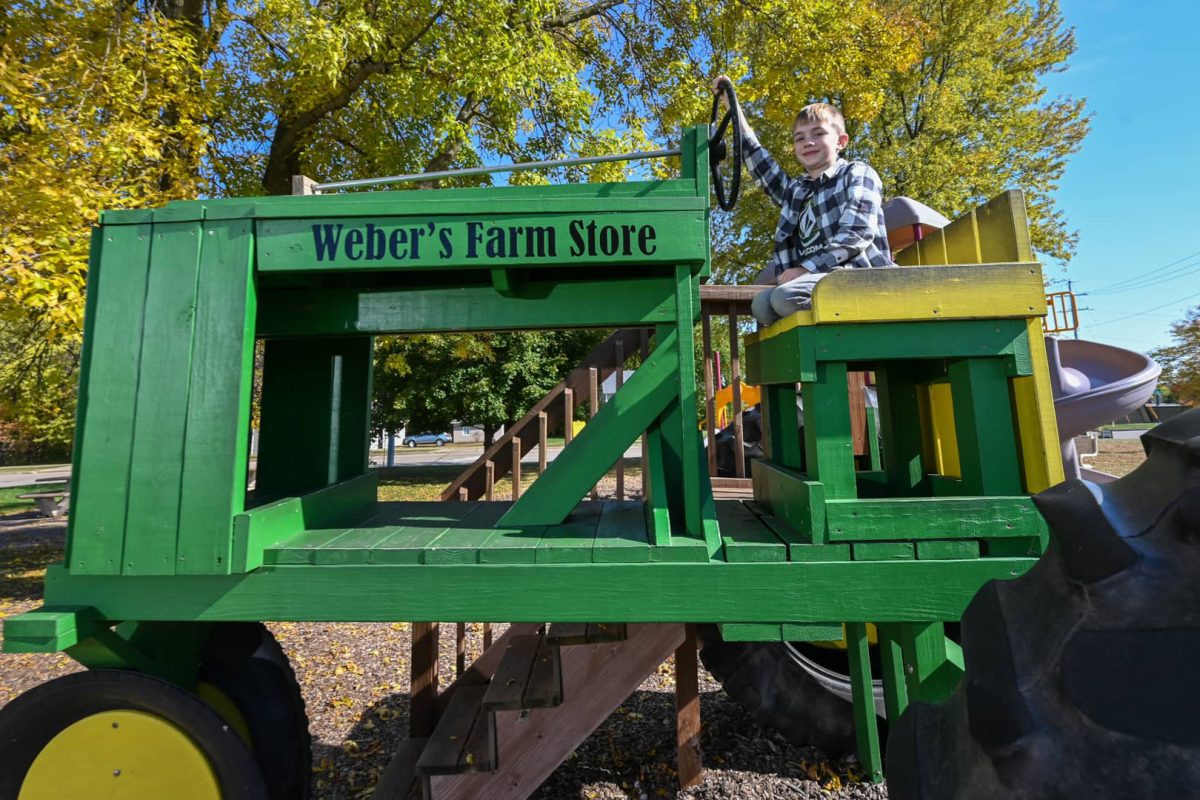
(970, 291)
(1037, 427)
(780, 326)
(932, 249)
(122, 755)
(961, 239)
(1004, 229)
(943, 441)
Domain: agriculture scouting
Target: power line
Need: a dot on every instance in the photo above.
(1141, 283)
(1142, 276)
(1146, 311)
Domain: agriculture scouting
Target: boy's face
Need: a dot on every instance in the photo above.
(817, 145)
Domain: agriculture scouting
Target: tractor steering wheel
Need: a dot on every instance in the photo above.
(718, 149)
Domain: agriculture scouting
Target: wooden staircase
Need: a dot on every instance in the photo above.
(501, 738)
(549, 413)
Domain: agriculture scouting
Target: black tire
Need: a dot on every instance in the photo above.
(1080, 674)
(782, 688)
(409, 443)
(246, 663)
(440, 443)
(31, 721)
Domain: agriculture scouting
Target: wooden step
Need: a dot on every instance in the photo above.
(399, 777)
(570, 633)
(465, 738)
(529, 676)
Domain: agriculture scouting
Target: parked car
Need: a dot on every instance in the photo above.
(435, 439)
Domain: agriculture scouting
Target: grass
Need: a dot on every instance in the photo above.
(9, 504)
(417, 483)
(1130, 426)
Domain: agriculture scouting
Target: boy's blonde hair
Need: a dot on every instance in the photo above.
(821, 112)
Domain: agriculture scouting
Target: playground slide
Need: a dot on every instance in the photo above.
(1094, 384)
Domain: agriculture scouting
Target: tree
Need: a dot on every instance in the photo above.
(427, 382)
(1180, 362)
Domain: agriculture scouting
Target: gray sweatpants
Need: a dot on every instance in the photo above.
(786, 298)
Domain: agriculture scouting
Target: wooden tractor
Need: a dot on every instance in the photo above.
(172, 563)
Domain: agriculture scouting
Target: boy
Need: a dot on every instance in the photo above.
(831, 218)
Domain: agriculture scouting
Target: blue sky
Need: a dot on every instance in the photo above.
(1132, 190)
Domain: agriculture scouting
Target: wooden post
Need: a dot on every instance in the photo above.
(460, 660)
(463, 496)
(688, 758)
(735, 380)
(489, 478)
(645, 350)
(593, 407)
(568, 415)
(542, 426)
(302, 184)
(620, 381)
(516, 468)
(710, 410)
(487, 635)
(424, 686)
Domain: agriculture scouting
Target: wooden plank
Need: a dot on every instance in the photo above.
(568, 633)
(828, 440)
(510, 545)
(218, 406)
(602, 442)
(891, 660)
(745, 538)
(679, 549)
(933, 664)
(573, 540)
(1004, 229)
(160, 413)
(689, 761)
(987, 446)
(685, 436)
(400, 775)
(947, 550)
(932, 518)
(595, 681)
(735, 380)
(866, 729)
(621, 534)
(1037, 425)
(515, 458)
(781, 428)
(422, 714)
(593, 407)
(654, 487)
(303, 548)
(461, 543)
(545, 687)
(900, 424)
(619, 378)
(794, 499)
(111, 359)
(710, 410)
(883, 591)
(883, 551)
(506, 690)
(961, 238)
(463, 740)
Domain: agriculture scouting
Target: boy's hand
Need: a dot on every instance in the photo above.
(792, 274)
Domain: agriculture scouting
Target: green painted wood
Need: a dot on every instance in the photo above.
(590, 300)
(866, 729)
(933, 664)
(118, 269)
(745, 537)
(987, 441)
(781, 427)
(507, 282)
(353, 547)
(460, 544)
(819, 552)
(828, 441)
(883, 551)
(621, 535)
(792, 498)
(669, 426)
(602, 441)
(321, 387)
(932, 518)
(493, 239)
(692, 462)
(160, 411)
(273, 525)
(812, 631)
(512, 546)
(873, 457)
(572, 541)
(1015, 548)
(885, 591)
(218, 406)
(900, 425)
(947, 550)
(891, 664)
(751, 631)
(789, 357)
(654, 488)
(303, 549)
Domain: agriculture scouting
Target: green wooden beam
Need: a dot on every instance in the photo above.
(828, 440)
(932, 518)
(793, 498)
(866, 729)
(983, 424)
(602, 441)
(886, 591)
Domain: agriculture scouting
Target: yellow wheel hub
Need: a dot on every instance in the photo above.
(123, 755)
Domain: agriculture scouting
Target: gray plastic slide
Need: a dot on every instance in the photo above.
(1095, 384)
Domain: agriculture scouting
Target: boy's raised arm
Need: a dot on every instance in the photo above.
(856, 227)
(763, 168)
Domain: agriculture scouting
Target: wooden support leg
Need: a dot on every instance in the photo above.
(422, 711)
(933, 664)
(689, 761)
(895, 689)
(460, 638)
(866, 729)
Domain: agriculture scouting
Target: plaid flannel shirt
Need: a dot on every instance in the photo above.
(841, 227)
